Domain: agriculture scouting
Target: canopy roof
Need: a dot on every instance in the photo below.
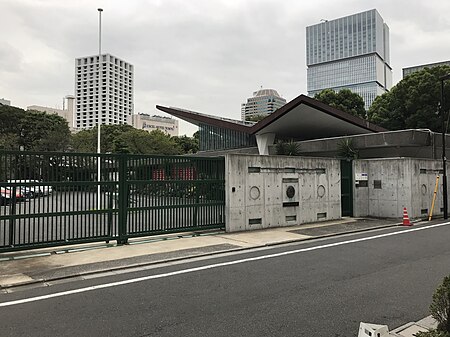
(302, 118)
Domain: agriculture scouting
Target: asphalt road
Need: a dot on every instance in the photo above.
(317, 288)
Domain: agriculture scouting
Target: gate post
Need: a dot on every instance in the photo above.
(12, 213)
(123, 200)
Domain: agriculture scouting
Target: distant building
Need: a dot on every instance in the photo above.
(105, 96)
(350, 52)
(4, 101)
(413, 69)
(263, 103)
(149, 123)
(67, 114)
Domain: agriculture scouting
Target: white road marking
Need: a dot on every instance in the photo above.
(211, 266)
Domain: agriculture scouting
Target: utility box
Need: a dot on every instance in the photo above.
(373, 330)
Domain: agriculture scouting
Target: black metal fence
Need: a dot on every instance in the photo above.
(49, 199)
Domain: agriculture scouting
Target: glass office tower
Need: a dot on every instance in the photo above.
(351, 52)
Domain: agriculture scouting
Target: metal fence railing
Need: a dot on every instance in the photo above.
(49, 199)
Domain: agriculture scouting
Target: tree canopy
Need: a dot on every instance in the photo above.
(32, 130)
(344, 100)
(256, 118)
(413, 102)
(188, 144)
(126, 139)
(40, 131)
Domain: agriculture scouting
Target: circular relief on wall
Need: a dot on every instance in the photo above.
(424, 189)
(321, 191)
(290, 192)
(254, 192)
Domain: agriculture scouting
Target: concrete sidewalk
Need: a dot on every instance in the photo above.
(412, 328)
(50, 264)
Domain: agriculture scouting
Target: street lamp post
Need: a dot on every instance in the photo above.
(99, 109)
(444, 159)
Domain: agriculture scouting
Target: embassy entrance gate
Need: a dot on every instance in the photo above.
(50, 199)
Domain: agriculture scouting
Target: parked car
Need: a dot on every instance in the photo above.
(6, 194)
(33, 191)
(46, 190)
(29, 192)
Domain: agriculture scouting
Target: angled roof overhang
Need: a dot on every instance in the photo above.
(198, 118)
(302, 118)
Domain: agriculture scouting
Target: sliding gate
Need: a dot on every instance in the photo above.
(50, 199)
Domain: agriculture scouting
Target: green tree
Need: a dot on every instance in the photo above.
(125, 139)
(84, 141)
(287, 148)
(10, 122)
(440, 310)
(440, 306)
(188, 144)
(346, 149)
(32, 130)
(344, 100)
(44, 132)
(412, 103)
(255, 118)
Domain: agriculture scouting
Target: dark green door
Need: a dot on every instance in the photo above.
(346, 188)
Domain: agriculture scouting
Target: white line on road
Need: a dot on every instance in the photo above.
(211, 266)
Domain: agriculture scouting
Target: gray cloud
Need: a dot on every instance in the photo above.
(201, 55)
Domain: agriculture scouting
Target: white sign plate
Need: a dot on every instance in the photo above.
(361, 176)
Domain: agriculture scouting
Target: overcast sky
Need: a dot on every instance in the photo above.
(202, 55)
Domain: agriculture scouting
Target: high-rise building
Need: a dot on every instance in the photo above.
(149, 123)
(350, 52)
(263, 103)
(103, 95)
(413, 69)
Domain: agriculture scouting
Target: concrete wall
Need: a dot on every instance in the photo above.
(256, 191)
(390, 144)
(396, 183)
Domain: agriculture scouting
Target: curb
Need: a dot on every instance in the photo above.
(43, 281)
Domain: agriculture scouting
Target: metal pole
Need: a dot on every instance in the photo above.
(100, 99)
(100, 31)
(444, 159)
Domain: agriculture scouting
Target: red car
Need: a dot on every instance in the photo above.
(6, 195)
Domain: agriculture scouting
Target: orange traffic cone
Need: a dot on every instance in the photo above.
(406, 221)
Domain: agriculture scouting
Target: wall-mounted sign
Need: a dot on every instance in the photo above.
(361, 176)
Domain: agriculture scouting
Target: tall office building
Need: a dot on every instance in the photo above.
(103, 95)
(351, 52)
(413, 69)
(263, 103)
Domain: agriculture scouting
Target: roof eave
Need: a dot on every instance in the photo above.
(302, 99)
(202, 119)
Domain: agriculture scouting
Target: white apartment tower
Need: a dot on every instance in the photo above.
(263, 103)
(350, 52)
(103, 95)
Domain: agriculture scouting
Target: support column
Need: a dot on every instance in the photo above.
(263, 141)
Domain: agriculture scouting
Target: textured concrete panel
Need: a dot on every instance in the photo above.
(405, 182)
(256, 186)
